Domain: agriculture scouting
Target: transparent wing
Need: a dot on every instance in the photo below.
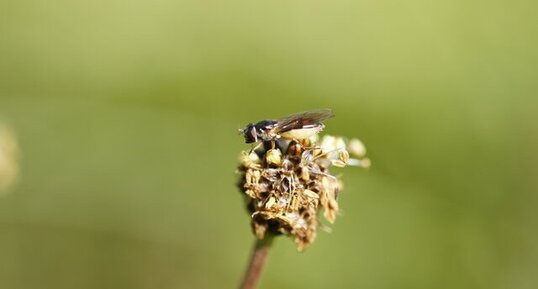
(302, 120)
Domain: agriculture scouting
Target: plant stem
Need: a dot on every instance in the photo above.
(257, 261)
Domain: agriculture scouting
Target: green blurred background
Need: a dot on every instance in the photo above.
(127, 113)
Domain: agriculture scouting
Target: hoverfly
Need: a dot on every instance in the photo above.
(294, 127)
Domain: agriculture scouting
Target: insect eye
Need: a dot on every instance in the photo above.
(250, 134)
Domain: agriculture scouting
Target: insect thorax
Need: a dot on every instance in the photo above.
(264, 128)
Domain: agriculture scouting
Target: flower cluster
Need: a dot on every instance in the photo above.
(288, 183)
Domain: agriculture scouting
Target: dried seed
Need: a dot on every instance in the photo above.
(311, 194)
(343, 155)
(273, 157)
(305, 174)
(338, 163)
(270, 203)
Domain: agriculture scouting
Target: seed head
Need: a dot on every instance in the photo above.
(287, 185)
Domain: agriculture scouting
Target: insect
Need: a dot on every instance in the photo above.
(294, 127)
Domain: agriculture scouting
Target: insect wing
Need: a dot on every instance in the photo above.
(302, 119)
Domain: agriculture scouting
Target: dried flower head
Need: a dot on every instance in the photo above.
(287, 184)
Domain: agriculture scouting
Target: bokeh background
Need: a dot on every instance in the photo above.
(126, 116)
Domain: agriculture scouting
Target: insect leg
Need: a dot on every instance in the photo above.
(255, 147)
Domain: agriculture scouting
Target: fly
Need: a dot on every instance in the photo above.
(294, 127)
